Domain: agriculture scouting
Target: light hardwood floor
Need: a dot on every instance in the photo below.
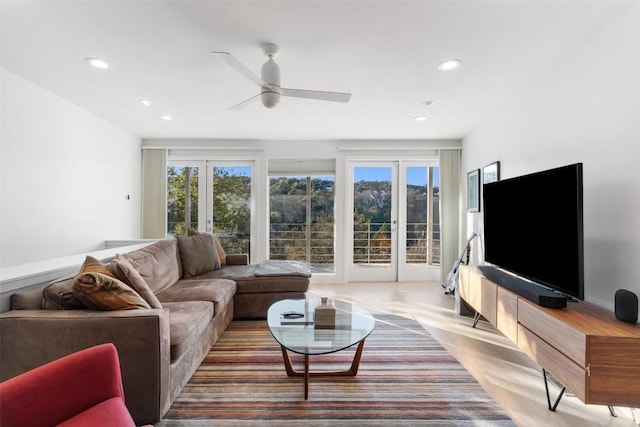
(507, 374)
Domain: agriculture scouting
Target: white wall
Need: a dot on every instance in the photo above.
(64, 176)
(586, 109)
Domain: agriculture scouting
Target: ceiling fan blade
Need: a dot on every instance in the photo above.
(317, 94)
(241, 68)
(246, 102)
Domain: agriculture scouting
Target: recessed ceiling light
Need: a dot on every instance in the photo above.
(420, 118)
(144, 102)
(449, 64)
(428, 103)
(166, 117)
(98, 63)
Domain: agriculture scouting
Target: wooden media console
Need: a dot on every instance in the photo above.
(583, 346)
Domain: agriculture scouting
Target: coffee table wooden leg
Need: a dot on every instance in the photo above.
(352, 371)
(288, 366)
(356, 360)
(287, 363)
(306, 376)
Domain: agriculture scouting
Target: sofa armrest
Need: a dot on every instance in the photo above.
(31, 338)
(237, 259)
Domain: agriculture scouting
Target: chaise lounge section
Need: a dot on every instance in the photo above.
(189, 299)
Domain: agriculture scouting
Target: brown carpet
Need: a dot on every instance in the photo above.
(406, 378)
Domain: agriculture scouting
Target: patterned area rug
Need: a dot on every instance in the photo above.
(406, 378)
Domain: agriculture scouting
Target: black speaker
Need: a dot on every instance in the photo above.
(626, 306)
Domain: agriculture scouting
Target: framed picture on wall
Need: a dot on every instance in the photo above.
(473, 191)
(491, 173)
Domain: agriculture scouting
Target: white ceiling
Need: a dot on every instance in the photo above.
(383, 52)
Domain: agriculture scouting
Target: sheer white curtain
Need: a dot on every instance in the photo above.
(154, 193)
(449, 209)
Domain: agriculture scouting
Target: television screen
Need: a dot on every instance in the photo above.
(533, 228)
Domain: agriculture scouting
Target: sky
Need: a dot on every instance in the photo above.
(416, 175)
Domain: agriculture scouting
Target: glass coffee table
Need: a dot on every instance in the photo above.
(292, 325)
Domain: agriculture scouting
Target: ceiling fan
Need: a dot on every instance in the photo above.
(269, 82)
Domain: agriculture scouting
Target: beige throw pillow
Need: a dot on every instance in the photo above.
(198, 254)
(93, 265)
(221, 253)
(99, 291)
(97, 287)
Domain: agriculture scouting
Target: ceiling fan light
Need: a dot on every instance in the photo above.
(449, 64)
(98, 63)
(270, 99)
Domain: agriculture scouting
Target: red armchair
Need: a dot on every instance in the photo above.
(81, 389)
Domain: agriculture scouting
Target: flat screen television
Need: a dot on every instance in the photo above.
(533, 228)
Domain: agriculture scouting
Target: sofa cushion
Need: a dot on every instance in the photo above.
(125, 271)
(248, 283)
(278, 284)
(197, 254)
(28, 300)
(99, 291)
(157, 263)
(187, 322)
(237, 259)
(222, 256)
(219, 291)
(232, 272)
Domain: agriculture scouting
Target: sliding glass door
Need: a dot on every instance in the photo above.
(420, 218)
(394, 221)
(212, 196)
(373, 216)
(183, 197)
(302, 220)
(229, 204)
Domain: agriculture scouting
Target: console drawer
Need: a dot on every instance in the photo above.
(572, 376)
(559, 334)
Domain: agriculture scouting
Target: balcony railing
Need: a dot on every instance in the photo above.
(233, 242)
(315, 244)
(371, 243)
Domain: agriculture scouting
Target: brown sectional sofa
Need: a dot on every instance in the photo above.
(159, 348)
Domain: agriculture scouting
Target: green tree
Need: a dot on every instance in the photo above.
(232, 208)
(176, 198)
(290, 227)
